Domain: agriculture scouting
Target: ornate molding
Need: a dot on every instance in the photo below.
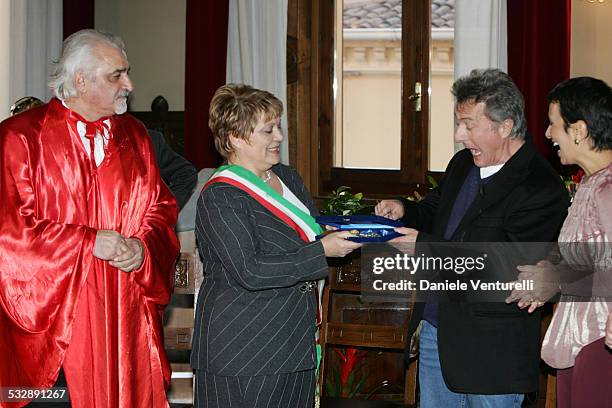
(376, 56)
(442, 57)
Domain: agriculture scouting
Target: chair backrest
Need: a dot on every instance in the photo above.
(179, 315)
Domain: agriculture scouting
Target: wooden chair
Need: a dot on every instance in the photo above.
(179, 319)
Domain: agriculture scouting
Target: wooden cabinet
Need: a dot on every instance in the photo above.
(372, 333)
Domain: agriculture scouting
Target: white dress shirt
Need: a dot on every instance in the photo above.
(100, 141)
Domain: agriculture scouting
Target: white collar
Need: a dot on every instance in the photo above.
(107, 122)
(490, 170)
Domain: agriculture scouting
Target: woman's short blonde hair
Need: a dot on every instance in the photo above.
(235, 110)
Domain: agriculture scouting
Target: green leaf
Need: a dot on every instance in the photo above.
(349, 381)
(338, 382)
(364, 377)
(342, 202)
(358, 386)
(329, 389)
(432, 181)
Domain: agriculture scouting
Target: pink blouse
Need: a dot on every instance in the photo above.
(576, 323)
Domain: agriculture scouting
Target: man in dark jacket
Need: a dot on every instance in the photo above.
(497, 189)
(179, 175)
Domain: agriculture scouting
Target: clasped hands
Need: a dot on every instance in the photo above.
(123, 253)
(545, 278)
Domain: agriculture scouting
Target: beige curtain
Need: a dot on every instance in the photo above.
(5, 47)
(30, 38)
(480, 35)
(481, 39)
(256, 50)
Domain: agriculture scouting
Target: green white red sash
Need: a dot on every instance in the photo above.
(304, 224)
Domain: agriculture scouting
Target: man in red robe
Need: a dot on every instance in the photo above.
(86, 238)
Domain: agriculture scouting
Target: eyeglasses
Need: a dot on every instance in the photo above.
(24, 104)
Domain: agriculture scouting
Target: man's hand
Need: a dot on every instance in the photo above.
(410, 235)
(393, 209)
(132, 258)
(407, 242)
(336, 244)
(609, 331)
(109, 244)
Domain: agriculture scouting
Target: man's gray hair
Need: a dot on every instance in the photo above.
(78, 55)
(501, 98)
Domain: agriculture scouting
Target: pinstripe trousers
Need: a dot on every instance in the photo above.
(286, 390)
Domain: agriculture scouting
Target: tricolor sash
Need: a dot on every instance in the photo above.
(304, 224)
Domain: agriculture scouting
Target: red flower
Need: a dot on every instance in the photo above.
(578, 176)
(349, 358)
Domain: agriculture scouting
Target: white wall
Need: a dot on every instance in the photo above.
(154, 35)
(591, 52)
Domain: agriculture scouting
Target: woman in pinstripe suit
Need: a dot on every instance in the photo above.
(254, 340)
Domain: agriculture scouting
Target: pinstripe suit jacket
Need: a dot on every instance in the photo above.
(251, 317)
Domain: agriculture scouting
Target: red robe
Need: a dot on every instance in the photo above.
(59, 305)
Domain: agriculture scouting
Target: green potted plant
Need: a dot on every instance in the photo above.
(342, 202)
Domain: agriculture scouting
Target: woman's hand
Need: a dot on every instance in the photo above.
(545, 280)
(336, 244)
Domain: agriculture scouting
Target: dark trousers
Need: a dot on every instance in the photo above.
(295, 390)
(588, 384)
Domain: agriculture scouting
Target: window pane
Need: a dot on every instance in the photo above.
(367, 84)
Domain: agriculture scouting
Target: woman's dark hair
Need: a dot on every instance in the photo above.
(590, 100)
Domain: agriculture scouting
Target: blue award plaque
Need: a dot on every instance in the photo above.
(367, 228)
